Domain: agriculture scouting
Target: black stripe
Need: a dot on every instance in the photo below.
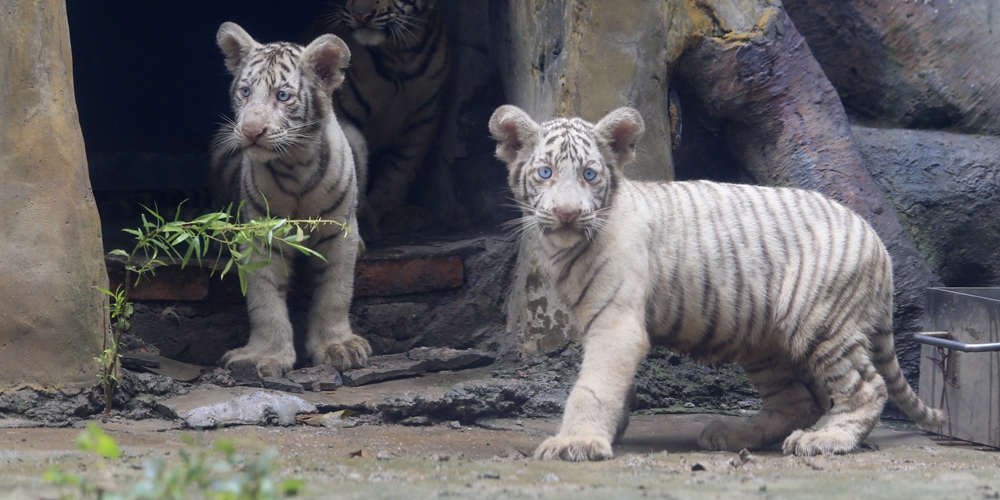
(568, 267)
(604, 306)
(326, 238)
(590, 281)
(336, 205)
(322, 166)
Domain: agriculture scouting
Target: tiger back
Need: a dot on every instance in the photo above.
(285, 155)
(400, 63)
(788, 284)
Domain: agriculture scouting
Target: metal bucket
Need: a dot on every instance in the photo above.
(960, 361)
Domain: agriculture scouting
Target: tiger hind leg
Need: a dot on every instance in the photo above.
(857, 393)
(789, 404)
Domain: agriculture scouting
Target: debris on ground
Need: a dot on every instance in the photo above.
(335, 419)
(207, 408)
(415, 362)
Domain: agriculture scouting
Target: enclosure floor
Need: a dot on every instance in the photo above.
(654, 460)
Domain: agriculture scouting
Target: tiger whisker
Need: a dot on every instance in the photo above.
(520, 226)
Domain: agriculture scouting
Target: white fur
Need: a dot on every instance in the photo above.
(790, 285)
(279, 170)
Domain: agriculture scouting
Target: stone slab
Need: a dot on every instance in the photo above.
(416, 362)
(134, 360)
(184, 372)
(384, 368)
(317, 378)
(445, 358)
(366, 398)
(282, 384)
(217, 407)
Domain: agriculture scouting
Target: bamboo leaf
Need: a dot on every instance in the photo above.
(187, 255)
(243, 279)
(229, 264)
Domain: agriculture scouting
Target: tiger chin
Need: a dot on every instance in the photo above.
(788, 284)
(286, 155)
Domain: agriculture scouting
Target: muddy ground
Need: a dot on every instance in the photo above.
(658, 458)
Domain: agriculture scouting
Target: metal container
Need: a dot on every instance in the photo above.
(964, 377)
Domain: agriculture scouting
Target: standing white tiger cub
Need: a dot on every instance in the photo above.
(786, 283)
(285, 154)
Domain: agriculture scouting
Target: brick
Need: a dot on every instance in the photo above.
(169, 283)
(373, 278)
(384, 278)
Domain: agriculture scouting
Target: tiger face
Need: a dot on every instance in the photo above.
(280, 92)
(372, 22)
(564, 171)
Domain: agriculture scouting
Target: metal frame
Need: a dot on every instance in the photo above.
(954, 344)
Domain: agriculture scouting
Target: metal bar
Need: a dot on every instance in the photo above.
(956, 345)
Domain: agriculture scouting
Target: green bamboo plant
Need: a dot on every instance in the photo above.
(221, 236)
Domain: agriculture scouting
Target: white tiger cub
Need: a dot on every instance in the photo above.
(788, 284)
(285, 154)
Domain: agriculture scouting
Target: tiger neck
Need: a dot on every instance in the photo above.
(562, 257)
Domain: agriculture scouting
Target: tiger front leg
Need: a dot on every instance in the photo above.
(270, 348)
(330, 339)
(397, 169)
(593, 417)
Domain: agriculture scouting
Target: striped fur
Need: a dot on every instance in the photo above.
(285, 155)
(790, 285)
(401, 62)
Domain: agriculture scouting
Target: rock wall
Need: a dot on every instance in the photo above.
(574, 58)
(913, 64)
(52, 317)
(944, 186)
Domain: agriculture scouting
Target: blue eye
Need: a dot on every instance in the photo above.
(545, 172)
(283, 96)
(589, 174)
(245, 91)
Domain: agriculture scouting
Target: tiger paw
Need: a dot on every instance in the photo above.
(725, 436)
(349, 353)
(574, 448)
(824, 441)
(267, 365)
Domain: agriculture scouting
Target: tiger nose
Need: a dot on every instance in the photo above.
(253, 133)
(566, 215)
(363, 17)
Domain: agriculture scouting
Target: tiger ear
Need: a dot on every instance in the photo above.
(514, 131)
(236, 44)
(327, 57)
(618, 132)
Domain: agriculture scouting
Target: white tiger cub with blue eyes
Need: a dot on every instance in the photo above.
(286, 155)
(790, 285)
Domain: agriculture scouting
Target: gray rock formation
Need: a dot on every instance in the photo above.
(52, 317)
(946, 189)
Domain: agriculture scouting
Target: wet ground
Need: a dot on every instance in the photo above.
(658, 458)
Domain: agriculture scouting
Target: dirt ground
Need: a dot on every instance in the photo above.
(658, 458)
